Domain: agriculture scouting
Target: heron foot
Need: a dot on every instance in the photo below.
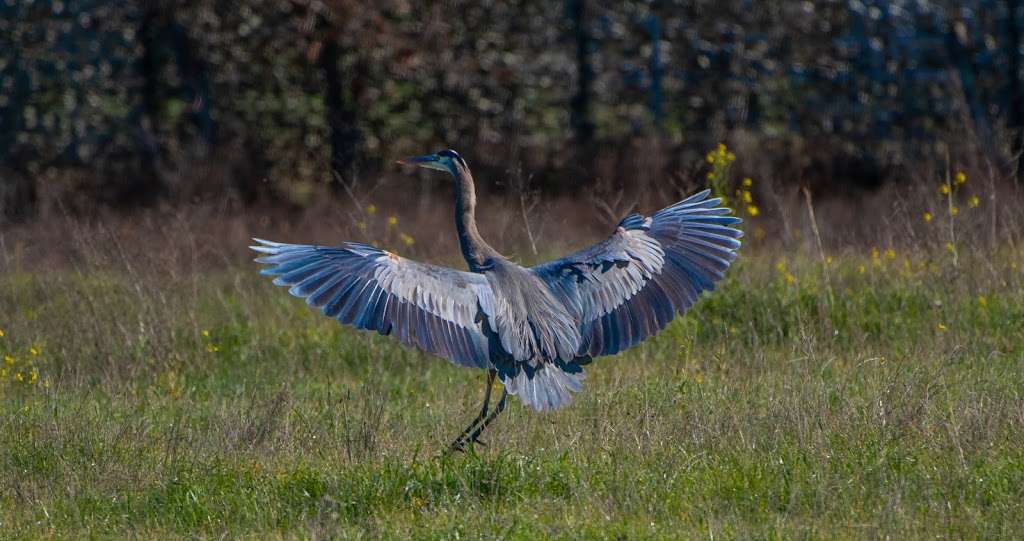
(475, 436)
(460, 442)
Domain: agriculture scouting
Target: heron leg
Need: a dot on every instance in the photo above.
(457, 445)
(475, 437)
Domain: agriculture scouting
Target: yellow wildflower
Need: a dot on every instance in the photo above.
(392, 221)
(46, 384)
(730, 157)
(982, 301)
(753, 210)
(781, 265)
(33, 376)
(34, 351)
(2, 333)
(890, 253)
(19, 376)
(747, 182)
(960, 178)
(8, 359)
(950, 247)
(747, 197)
(941, 328)
(973, 202)
(954, 211)
(205, 333)
(406, 239)
(790, 278)
(371, 209)
(828, 260)
(944, 188)
(927, 217)
(212, 348)
(874, 253)
(861, 269)
(710, 158)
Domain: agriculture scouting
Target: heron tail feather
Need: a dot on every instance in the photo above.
(547, 387)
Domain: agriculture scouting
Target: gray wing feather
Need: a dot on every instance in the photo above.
(629, 286)
(426, 306)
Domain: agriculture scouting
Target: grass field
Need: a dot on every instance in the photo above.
(860, 395)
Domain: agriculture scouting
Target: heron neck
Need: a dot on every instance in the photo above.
(474, 248)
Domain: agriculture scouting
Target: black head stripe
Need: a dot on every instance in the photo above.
(449, 153)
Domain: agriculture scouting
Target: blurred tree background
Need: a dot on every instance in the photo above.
(128, 104)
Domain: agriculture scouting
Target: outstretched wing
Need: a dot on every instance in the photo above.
(425, 306)
(629, 286)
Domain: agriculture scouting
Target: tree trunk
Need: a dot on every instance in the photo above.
(342, 119)
(579, 112)
(1013, 16)
(960, 58)
(655, 102)
(146, 183)
(197, 84)
(18, 196)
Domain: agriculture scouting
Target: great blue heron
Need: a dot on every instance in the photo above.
(531, 328)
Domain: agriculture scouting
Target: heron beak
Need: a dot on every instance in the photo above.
(431, 161)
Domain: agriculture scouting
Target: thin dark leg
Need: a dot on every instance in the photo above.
(459, 441)
(475, 437)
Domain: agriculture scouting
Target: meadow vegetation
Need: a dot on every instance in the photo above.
(827, 389)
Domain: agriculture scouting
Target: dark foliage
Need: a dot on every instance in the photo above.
(133, 103)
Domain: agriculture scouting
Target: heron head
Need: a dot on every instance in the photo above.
(445, 160)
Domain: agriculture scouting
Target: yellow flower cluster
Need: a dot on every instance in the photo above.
(787, 276)
(884, 261)
(383, 230)
(720, 155)
(876, 257)
(210, 345)
(748, 197)
(947, 190)
(720, 160)
(20, 370)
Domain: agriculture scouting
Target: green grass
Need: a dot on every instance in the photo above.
(849, 404)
